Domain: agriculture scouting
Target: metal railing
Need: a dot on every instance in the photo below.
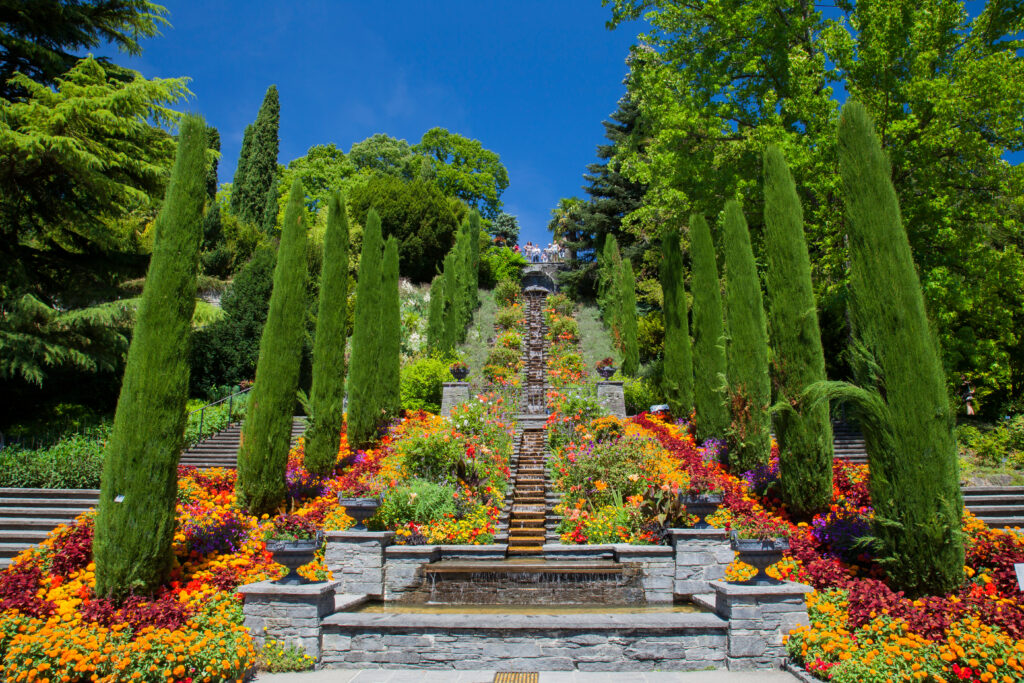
(202, 409)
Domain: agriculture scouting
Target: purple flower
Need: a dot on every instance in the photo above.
(762, 477)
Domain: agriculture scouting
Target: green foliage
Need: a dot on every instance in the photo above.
(390, 339)
(678, 380)
(709, 364)
(135, 524)
(627, 319)
(507, 292)
(915, 487)
(75, 461)
(749, 386)
(498, 264)
(421, 383)
(259, 162)
(641, 393)
(435, 319)
(650, 336)
(419, 501)
(416, 213)
(275, 657)
(464, 169)
(505, 229)
(38, 40)
(803, 430)
(366, 362)
(452, 301)
(266, 433)
(323, 431)
(607, 286)
(998, 446)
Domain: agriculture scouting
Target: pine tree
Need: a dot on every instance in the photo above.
(365, 370)
(802, 428)
(323, 434)
(908, 424)
(709, 368)
(435, 317)
(135, 524)
(260, 167)
(238, 186)
(266, 433)
(627, 313)
(747, 351)
(391, 332)
(678, 372)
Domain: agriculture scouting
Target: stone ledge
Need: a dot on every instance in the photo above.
(344, 602)
(426, 553)
(653, 622)
(559, 550)
(782, 590)
(269, 589)
(678, 535)
(349, 536)
(628, 552)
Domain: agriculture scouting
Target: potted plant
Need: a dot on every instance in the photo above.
(459, 370)
(760, 543)
(605, 367)
(359, 509)
(293, 542)
(702, 498)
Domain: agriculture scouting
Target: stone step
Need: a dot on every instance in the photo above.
(62, 513)
(51, 494)
(28, 536)
(32, 524)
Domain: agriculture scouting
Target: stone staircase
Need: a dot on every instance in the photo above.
(526, 530)
(27, 516)
(221, 449)
(848, 443)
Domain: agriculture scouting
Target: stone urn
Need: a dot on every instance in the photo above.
(703, 505)
(460, 373)
(606, 371)
(359, 509)
(760, 554)
(293, 554)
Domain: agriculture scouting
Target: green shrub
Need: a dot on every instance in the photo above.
(507, 292)
(995, 447)
(419, 501)
(275, 657)
(421, 382)
(641, 393)
(561, 304)
(503, 356)
(650, 335)
(510, 340)
(74, 462)
(501, 263)
(563, 328)
(508, 318)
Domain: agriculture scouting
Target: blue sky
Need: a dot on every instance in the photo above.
(531, 80)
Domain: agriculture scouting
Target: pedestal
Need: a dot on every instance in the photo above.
(759, 619)
(702, 556)
(452, 394)
(611, 396)
(287, 613)
(356, 560)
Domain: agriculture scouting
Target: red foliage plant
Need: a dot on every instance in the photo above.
(19, 586)
(163, 612)
(72, 549)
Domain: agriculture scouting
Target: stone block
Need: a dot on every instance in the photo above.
(612, 397)
(452, 394)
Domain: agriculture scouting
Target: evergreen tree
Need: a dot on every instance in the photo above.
(391, 332)
(474, 243)
(260, 162)
(749, 386)
(678, 372)
(709, 367)
(609, 270)
(627, 311)
(366, 370)
(323, 434)
(802, 428)
(452, 302)
(213, 143)
(908, 424)
(466, 279)
(135, 524)
(238, 186)
(266, 433)
(435, 317)
(270, 210)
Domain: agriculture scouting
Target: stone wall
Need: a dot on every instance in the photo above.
(356, 560)
(287, 614)
(453, 394)
(701, 556)
(759, 617)
(612, 397)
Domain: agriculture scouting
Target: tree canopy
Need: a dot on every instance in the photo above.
(464, 169)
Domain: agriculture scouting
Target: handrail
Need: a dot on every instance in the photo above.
(202, 409)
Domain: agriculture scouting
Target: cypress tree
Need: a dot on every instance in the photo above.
(238, 186)
(610, 268)
(474, 243)
(453, 299)
(802, 427)
(213, 142)
(709, 367)
(747, 352)
(269, 224)
(260, 161)
(266, 433)
(323, 434)
(391, 332)
(365, 372)
(678, 372)
(466, 279)
(902, 394)
(135, 524)
(435, 317)
(627, 313)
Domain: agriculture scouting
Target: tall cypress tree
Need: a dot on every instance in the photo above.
(435, 314)
(323, 434)
(747, 352)
(678, 372)
(238, 186)
(261, 162)
(474, 243)
(452, 301)
(365, 372)
(269, 224)
(802, 427)
(609, 271)
(709, 368)
(391, 331)
(466, 279)
(627, 313)
(135, 525)
(266, 433)
(901, 394)
(212, 142)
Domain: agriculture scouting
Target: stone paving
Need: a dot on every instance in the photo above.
(419, 676)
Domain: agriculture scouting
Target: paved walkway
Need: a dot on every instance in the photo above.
(447, 676)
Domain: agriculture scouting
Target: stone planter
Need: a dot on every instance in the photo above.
(293, 554)
(607, 371)
(359, 509)
(460, 373)
(703, 505)
(760, 554)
